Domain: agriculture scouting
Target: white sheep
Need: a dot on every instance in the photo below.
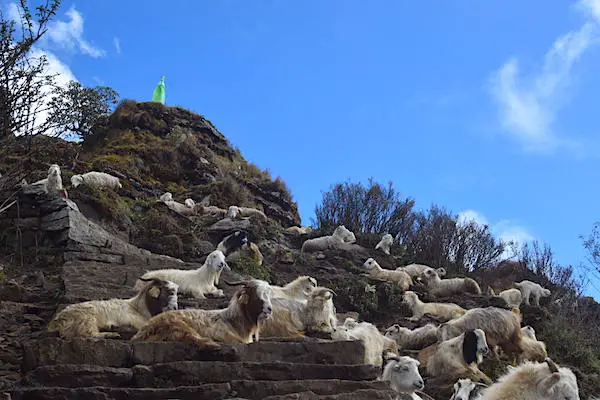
(412, 339)
(442, 311)
(529, 289)
(189, 203)
(531, 348)
(529, 332)
(466, 389)
(296, 230)
(248, 308)
(298, 289)
(96, 179)
(86, 319)
(401, 278)
(236, 211)
(52, 184)
(416, 270)
(374, 342)
(459, 357)
(533, 381)
(294, 318)
(340, 236)
(179, 208)
(502, 328)
(403, 375)
(512, 297)
(197, 282)
(385, 243)
(446, 287)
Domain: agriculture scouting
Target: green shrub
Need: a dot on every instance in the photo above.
(249, 266)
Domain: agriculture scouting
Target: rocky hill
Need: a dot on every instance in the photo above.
(94, 245)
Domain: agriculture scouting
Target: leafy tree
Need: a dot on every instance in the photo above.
(22, 82)
(75, 109)
(372, 208)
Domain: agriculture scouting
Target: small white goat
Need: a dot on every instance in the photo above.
(375, 343)
(385, 243)
(459, 357)
(446, 287)
(340, 235)
(296, 230)
(96, 179)
(235, 211)
(403, 375)
(412, 339)
(401, 278)
(179, 208)
(298, 289)
(529, 289)
(466, 389)
(512, 297)
(86, 319)
(442, 311)
(197, 282)
(416, 270)
(534, 381)
(53, 182)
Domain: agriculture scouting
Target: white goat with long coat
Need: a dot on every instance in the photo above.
(52, 184)
(442, 311)
(375, 343)
(86, 319)
(298, 289)
(439, 287)
(512, 297)
(385, 243)
(236, 211)
(179, 208)
(248, 308)
(416, 270)
(466, 389)
(412, 339)
(534, 381)
(529, 289)
(340, 236)
(96, 179)
(197, 282)
(400, 278)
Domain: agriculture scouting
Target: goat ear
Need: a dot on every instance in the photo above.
(550, 381)
(154, 292)
(470, 347)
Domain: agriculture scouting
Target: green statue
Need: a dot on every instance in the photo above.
(159, 92)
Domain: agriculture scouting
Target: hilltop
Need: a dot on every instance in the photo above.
(154, 149)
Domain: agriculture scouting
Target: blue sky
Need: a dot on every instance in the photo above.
(486, 108)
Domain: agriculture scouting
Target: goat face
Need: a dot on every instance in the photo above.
(466, 389)
(161, 296)
(409, 298)
(429, 274)
(474, 346)
(216, 260)
(370, 264)
(259, 299)
(392, 331)
(403, 374)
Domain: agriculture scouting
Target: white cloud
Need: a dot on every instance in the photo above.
(69, 35)
(117, 43)
(467, 216)
(528, 106)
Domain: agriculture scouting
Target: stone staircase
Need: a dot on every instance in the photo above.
(90, 263)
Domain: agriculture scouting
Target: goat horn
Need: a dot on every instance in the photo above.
(155, 280)
(553, 367)
(332, 292)
(235, 283)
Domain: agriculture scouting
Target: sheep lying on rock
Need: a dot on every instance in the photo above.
(96, 179)
(531, 381)
(502, 328)
(292, 318)
(340, 235)
(466, 389)
(85, 319)
(412, 339)
(446, 287)
(249, 307)
(401, 278)
(416, 270)
(402, 373)
(459, 357)
(235, 211)
(385, 243)
(298, 289)
(512, 297)
(296, 230)
(197, 282)
(442, 311)
(375, 343)
(529, 289)
(179, 208)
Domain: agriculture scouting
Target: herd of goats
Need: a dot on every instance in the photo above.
(452, 350)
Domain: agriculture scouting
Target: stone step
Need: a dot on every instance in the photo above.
(119, 354)
(190, 373)
(251, 390)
